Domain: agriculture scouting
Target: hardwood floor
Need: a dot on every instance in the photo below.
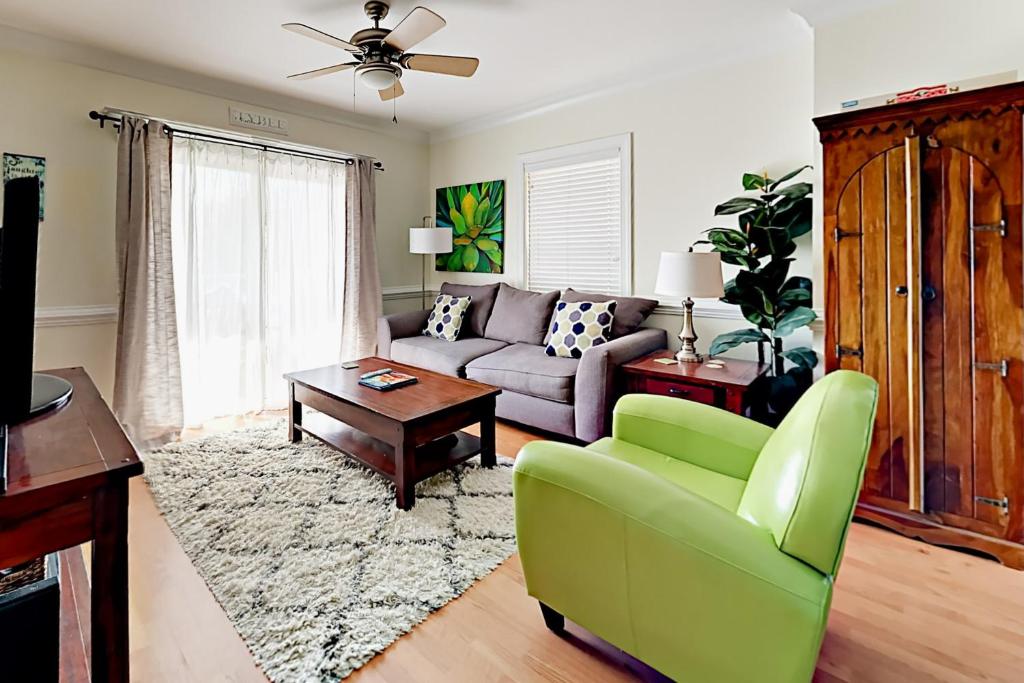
(903, 611)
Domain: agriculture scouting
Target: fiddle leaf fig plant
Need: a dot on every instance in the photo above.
(771, 217)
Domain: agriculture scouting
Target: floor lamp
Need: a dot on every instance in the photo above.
(428, 240)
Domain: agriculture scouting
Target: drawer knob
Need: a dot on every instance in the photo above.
(676, 391)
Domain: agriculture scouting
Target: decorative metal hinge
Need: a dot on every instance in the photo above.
(1002, 367)
(847, 351)
(839, 234)
(999, 227)
(1003, 504)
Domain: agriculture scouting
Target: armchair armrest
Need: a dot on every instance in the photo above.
(702, 435)
(396, 326)
(595, 378)
(632, 556)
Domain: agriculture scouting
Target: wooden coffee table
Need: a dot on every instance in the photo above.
(407, 434)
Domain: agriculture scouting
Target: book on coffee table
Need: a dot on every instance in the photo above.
(386, 380)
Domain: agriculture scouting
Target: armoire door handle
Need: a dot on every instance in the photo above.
(928, 293)
(901, 290)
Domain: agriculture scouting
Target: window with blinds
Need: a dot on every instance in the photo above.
(577, 217)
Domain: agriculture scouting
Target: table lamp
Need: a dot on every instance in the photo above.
(428, 240)
(689, 274)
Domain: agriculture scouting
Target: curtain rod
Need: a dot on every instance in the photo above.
(199, 134)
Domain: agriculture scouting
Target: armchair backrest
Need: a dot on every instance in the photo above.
(805, 482)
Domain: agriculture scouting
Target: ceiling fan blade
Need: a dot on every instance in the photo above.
(306, 75)
(417, 25)
(391, 93)
(442, 64)
(311, 32)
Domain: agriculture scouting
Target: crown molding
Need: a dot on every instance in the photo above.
(17, 40)
(73, 316)
(819, 12)
(605, 88)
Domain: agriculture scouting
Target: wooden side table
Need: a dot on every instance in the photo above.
(730, 387)
(68, 484)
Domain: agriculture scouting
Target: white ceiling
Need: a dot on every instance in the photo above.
(532, 52)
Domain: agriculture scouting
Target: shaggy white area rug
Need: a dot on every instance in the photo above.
(307, 553)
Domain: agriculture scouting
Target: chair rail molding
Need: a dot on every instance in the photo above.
(70, 316)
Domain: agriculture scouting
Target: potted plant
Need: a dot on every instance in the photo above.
(775, 303)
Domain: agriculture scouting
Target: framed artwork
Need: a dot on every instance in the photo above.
(21, 166)
(476, 215)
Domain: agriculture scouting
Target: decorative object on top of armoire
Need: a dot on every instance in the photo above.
(770, 221)
(924, 292)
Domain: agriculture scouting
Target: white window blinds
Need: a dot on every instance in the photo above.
(578, 230)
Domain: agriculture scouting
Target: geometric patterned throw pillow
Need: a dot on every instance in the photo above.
(445, 320)
(578, 326)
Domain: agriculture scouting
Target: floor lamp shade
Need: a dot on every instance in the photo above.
(430, 240)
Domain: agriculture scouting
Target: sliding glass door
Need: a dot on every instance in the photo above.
(259, 265)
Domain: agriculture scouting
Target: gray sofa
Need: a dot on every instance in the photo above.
(502, 343)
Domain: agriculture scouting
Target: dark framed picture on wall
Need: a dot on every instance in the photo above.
(26, 165)
(476, 215)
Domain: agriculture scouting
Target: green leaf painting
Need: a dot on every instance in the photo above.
(476, 215)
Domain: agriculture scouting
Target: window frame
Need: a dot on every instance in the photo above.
(563, 155)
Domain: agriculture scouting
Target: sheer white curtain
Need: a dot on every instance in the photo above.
(259, 254)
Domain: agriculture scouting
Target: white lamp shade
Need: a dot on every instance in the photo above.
(430, 240)
(690, 273)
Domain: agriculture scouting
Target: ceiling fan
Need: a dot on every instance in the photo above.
(380, 54)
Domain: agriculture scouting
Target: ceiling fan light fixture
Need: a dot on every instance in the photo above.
(378, 76)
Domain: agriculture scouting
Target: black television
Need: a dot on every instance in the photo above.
(23, 394)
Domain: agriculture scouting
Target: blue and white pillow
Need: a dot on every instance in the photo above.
(445, 320)
(578, 326)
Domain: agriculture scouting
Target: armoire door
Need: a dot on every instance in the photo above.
(973, 342)
(928, 301)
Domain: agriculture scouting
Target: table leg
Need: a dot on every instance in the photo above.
(734, 401)
(294, 415)
(487, 437)
(110, 583)
(405, 473)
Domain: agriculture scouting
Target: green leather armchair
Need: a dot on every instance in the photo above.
(700, 542)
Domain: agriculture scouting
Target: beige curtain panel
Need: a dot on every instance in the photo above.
(147, 370)
(361, 297)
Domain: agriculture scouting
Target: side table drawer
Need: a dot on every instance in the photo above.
(691, 392)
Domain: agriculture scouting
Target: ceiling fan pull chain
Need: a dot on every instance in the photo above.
(394, 105)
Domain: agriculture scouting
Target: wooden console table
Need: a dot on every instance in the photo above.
(68, 477)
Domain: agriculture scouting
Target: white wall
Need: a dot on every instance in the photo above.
(45, 113)
(912, 43)
(694, 134)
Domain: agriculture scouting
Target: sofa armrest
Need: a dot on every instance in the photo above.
(630, 556)
(398, 325)
(595, 378)
(703, 435)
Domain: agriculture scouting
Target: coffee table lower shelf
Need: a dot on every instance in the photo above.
(431, 458)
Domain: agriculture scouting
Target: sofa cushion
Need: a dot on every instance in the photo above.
(526, 369)
(720, 489)
(445, 320)
(442, 356)
(630, 311)
(577, 327)
(520, 315)
(479, 310)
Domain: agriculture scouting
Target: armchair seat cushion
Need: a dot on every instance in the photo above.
(720, 489)
(527, 369)
(439, 355)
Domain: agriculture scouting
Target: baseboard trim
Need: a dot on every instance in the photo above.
(71, 316)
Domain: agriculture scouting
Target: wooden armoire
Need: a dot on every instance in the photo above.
(924, 290)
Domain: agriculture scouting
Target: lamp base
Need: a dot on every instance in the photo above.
(688, 337)
(688, 356)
